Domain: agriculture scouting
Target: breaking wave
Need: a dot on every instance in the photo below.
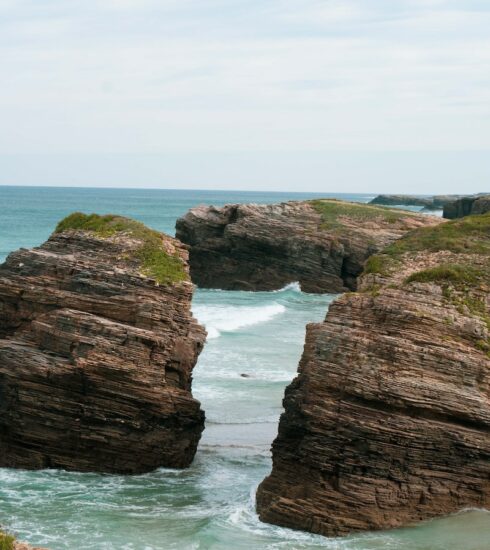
(219, 318)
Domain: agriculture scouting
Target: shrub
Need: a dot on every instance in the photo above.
(6, 541)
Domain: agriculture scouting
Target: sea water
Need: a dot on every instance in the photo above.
(255, 340)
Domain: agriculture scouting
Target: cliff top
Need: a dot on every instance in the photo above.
(454, 256)
(158, 258)
(336, 213)
(461, 237)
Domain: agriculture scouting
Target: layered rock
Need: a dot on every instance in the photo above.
(322, 244)
(388, 420)
(467, 206)
(97, 347)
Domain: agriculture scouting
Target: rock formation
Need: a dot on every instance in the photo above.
(322, 244)
(388, 420)
(97, 347)
(403, 200)
(454, 206)
(467, 206)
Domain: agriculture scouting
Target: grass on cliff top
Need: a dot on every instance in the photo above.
(155, 261)
(456, 274)
(6, 541)
(469, 235)
(331, 209)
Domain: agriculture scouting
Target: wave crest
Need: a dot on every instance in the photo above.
(218, 318)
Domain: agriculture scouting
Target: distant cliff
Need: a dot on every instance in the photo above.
(403, 200)
(388, 420)
(467, 206)
(97, 347)
(454, 206)
(323, 244)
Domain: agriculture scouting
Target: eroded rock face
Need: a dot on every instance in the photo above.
(388, 420)
(467, 206)
(96, 357)
(321, 244)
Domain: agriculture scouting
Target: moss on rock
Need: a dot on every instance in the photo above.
(457, 274)
(470, 235)
(155, 261)
(333, 211)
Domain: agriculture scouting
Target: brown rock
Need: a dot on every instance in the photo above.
(322, 244)
(388, 420)
(96, 355)
(24, 546)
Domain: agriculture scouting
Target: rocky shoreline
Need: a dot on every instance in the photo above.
(322, 244)
(453, 206)
(97, 347)
(388, 421)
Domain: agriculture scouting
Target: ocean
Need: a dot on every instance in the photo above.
(211, 504)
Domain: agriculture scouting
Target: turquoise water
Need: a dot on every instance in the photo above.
(210, 505)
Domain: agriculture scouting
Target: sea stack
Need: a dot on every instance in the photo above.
(97, 347)
(388, 420)
(322, 244)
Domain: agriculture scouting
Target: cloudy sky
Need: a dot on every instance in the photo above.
(320, 95)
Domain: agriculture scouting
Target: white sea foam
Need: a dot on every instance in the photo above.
(295, 287)
(219, 318)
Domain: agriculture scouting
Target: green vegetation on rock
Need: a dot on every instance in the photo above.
(463, 275)
(332, 212)
(457, 274)
(470, 235)
(155, 261)
(6, 541)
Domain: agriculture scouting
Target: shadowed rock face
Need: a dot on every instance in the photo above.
(467, 206)
(322, 244)
(388, 420)
(407, 200)
(95, 356)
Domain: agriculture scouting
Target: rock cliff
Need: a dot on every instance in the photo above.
(97, 347)
(322, 244)
(467, 206)
(405, 200)
(388, 420)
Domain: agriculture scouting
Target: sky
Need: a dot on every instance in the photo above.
(299, 95)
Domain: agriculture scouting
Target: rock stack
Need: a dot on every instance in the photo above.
(388, 420)
(97, 347)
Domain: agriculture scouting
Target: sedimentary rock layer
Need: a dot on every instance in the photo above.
(322, 244)
(97, 347)
(388, 420)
